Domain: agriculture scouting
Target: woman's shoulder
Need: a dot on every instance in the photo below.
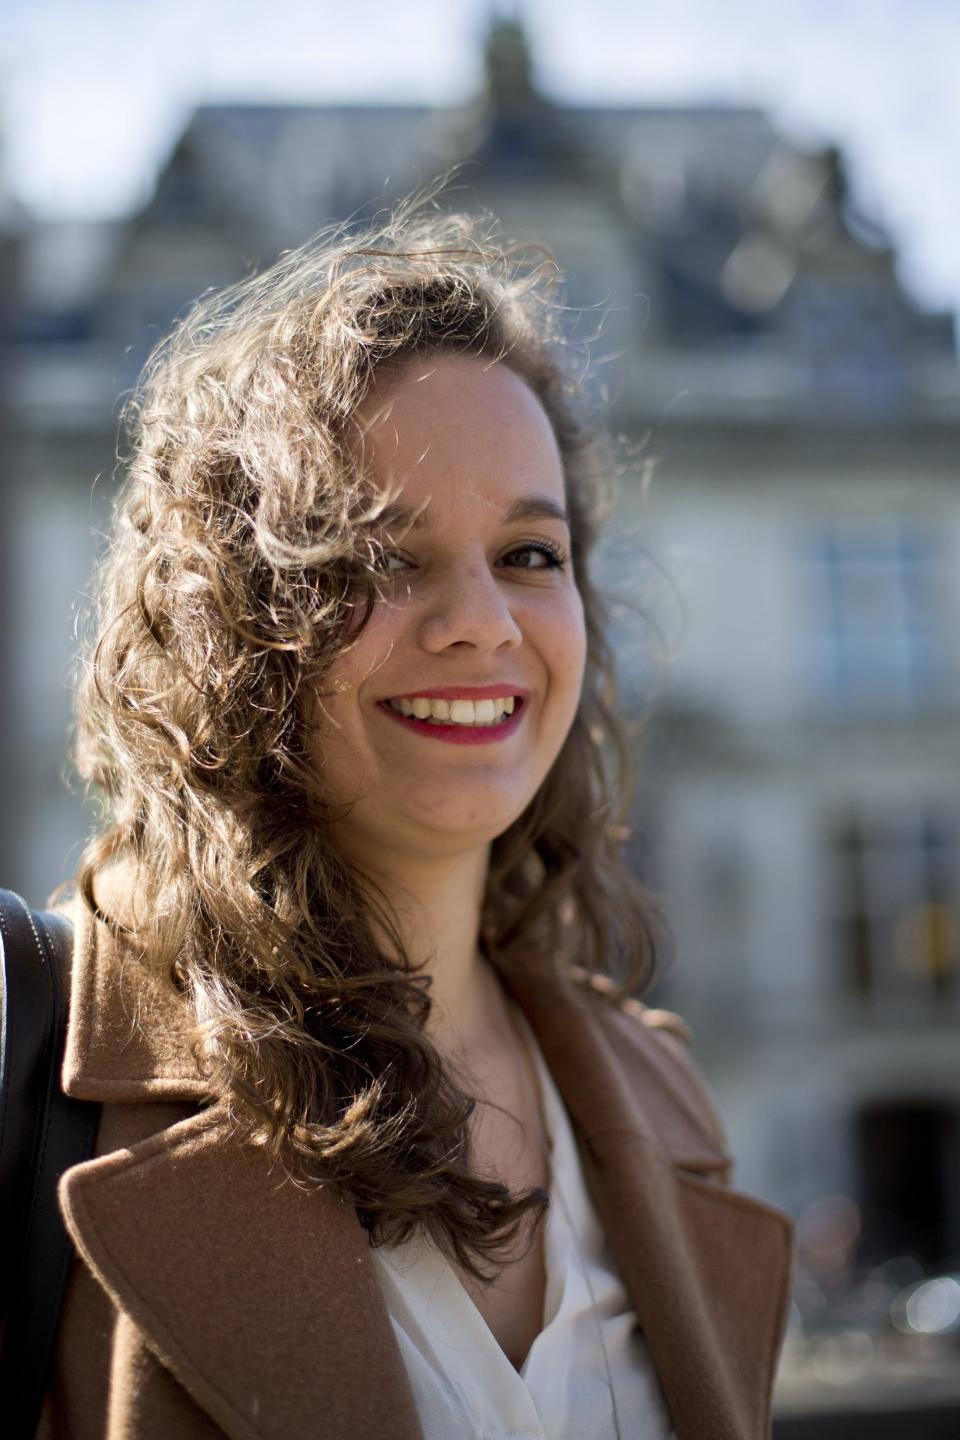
(129, 1033)
(654, 1019)
(656, 1042)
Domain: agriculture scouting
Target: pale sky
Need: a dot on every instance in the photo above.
(94, 92)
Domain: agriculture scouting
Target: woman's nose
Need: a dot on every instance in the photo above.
(468, 607)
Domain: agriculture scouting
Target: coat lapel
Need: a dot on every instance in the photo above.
(708, 1269)
(258, 1296)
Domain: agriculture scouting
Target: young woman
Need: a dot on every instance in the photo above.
(383, 1150)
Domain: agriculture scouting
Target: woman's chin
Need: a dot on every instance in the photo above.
(435, 833)
(456, 834)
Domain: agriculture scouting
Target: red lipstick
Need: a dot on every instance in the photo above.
(460, 734)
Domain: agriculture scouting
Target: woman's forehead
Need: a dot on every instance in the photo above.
(453, 422)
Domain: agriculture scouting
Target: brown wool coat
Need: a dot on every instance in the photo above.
(212, 1298)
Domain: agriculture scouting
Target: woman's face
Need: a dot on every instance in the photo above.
(443, 717)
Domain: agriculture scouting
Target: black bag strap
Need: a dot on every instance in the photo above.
(42, 1133)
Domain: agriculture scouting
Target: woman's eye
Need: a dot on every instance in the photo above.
(390, 562)
(540, 556)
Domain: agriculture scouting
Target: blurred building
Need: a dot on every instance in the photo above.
(11, 251)
(786, 562)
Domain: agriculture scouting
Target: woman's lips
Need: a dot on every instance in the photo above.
(460, 734)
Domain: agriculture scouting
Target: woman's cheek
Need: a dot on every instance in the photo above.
(575, 648)
(371, 649)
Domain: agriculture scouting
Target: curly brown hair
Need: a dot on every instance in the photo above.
(243, 552)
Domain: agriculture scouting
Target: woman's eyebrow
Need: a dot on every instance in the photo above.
(534, 507)
(404, 517)
(526, 507)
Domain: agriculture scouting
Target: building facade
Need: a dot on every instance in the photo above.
(784, 568)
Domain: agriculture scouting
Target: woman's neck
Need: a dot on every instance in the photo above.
(437, 905)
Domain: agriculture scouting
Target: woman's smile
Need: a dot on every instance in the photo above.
(478, 715)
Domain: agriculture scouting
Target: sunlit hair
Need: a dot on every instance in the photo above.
(242, 558)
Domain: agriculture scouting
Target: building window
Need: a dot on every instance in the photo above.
(907, 1156)
(896, 905)
(878, 616)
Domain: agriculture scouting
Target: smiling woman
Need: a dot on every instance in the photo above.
(384, 1148)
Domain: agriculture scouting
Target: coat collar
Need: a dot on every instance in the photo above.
(130, 1039)
(129, 1033)
(188, 1231)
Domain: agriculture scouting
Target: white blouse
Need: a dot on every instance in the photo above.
(463, 1383)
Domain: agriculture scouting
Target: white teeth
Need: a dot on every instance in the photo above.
(456, 712)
